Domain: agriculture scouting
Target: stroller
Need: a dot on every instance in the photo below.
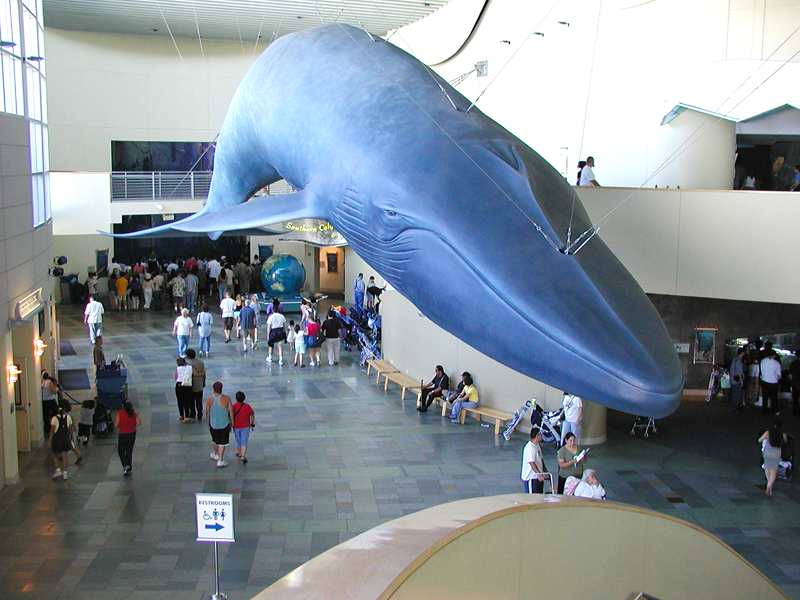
(786, 464)
(369, 347)
(102, 423)
(549, 422)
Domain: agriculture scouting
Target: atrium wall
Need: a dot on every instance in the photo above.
(619, 77)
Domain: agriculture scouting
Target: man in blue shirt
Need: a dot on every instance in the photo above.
(247, 321)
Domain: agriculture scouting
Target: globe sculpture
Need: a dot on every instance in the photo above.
(282, 275)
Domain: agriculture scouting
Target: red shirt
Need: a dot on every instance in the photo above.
(241, 415)
(127, 423)
(312, 328)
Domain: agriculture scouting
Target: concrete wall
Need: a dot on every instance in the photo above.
(25, 255)
(104, 87)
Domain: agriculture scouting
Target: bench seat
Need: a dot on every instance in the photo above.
(381, 367)
(404, 381)
(498, 416)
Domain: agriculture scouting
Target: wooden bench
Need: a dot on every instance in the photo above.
(404, 381)
(499, 416)
(381, 367)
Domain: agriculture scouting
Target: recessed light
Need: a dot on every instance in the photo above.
(155, 29)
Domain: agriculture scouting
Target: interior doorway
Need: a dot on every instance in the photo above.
(331, 270)
(22, 406)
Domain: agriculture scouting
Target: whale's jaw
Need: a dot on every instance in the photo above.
(429, 270)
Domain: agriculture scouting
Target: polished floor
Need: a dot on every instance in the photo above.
(332, 456)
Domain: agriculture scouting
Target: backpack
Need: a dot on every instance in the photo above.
(62, 435)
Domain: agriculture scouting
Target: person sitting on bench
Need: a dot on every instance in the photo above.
(466, 398)
(436, 388)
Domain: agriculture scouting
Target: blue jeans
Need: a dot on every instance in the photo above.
(242, 436)
(205, 344)
(458, 405)
(183, 344)
(222, 287)
(575, 428)
(191, 298)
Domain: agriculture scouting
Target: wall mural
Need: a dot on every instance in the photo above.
(455, 212)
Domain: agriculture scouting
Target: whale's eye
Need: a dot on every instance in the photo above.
(391, 213)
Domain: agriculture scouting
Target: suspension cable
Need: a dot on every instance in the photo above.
(439, 126)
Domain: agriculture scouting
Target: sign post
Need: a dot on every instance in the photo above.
(214, 515)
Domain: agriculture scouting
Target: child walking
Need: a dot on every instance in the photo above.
(299, 346)
(86, 421)
(243, 421)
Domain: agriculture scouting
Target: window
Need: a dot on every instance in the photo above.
(35, 104)
(11, 98)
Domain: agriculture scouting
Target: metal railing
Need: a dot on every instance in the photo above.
(129, 186)
(160, 185)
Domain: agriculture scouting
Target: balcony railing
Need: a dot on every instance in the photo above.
(129, 186)
(160, 185)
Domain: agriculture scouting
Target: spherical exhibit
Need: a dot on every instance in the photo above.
(282, 275)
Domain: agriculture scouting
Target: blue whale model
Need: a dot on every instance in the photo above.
(460, 216)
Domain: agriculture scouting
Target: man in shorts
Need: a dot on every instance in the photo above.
(227, 308)
(220, 419)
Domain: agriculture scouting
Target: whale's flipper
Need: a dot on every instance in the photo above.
(244, 219)
(260, 211)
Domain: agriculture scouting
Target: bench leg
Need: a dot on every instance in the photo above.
(369, 366)
(386, 383)
(403, 395)
(462, 417)
(497, 427)
(444, 407)
(378, 378)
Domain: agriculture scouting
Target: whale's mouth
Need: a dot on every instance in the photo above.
(395, 256)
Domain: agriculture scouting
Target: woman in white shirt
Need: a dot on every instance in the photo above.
(183, 389)
(590, 486)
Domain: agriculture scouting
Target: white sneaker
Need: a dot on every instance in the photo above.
(280, 363)
(269, 359)
(65, 475)
(221, 463)
(57, 474)
(213, 456)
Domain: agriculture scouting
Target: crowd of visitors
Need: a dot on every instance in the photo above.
(154, 284)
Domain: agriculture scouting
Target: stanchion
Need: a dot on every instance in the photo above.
(217, 594)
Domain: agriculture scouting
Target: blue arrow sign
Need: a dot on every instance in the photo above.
(215, 526)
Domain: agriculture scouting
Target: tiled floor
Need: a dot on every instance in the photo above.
(331, 457)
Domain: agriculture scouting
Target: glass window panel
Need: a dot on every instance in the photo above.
(31, 34)
(43, 93)
(2, 82)
(48, 209)
(34, 96)
(15, 37)
(46, 148)
(35, 199)
(39, 13)
(18, 86)
(5, 21)
(8, 80)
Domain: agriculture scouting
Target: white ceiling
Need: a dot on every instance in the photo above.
(231, 19)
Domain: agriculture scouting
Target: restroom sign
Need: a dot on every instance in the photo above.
(214, 514)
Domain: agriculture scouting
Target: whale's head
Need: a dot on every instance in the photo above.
(485, 261)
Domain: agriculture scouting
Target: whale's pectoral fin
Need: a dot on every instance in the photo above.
(259, 211)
